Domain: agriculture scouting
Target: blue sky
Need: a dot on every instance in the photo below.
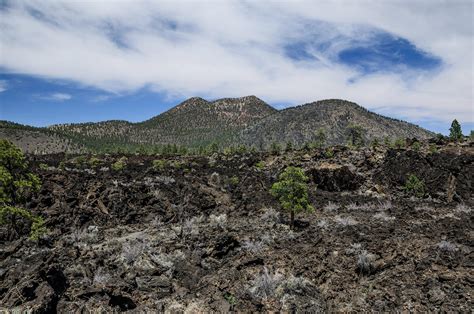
(68, 61)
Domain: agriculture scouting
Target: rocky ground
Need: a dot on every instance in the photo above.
(200, 234)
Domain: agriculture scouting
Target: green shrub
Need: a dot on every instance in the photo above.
(399, 143)
(79, 160)
(119, 164)
(177, 164)
(275, 148)
(230, 298)
(159, 164)
(329, 152)
(234, 180)
(94, 162)
(292, 191)
(16, 184)
(10, 214)
(43, 166)
(260, 165)
(375, 143)
(416, 146)
(433, 148)
(414, 186)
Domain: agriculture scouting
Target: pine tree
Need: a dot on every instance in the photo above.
(455, 132)
(292, 191)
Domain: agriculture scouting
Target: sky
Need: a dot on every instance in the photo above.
(78, 61)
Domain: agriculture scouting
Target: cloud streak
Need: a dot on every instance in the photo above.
(56, 97)
(234, 48)
(3, 85)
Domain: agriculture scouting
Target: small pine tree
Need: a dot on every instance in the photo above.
(455, 132)
(320, 138)
(356, 135)
(289, 146)
(275, 148)
(292, 192)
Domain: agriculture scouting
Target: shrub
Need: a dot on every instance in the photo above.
(94, 162)
(43, 166)
(433, 148)
(15, 181)
(416, 146)
(414, 186)
(16, 184)
(329, 152)
(10, 214)
(364, 263)
(177, 164)
(234, 180)
(218, 221)
(120, 164)
(260, 165)
(399, 143)
(375, 143)
(275, 148)
(230, 298)
(292, 191)
(159, 164)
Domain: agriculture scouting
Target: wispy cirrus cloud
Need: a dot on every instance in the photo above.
(55, 97)
(410, 57)
(3, 85)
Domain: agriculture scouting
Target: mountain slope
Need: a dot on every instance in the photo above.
(230, 121)
(38, 140)
(192, 123)
(299, 125)
(199, 122)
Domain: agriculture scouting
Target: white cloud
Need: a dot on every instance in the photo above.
(56, 97)
(3, 85)
(231, 48)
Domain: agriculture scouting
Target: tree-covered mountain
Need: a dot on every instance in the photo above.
(335, 117)
(197, 123)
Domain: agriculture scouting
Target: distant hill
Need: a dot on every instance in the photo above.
(300, 124)
(229, 121)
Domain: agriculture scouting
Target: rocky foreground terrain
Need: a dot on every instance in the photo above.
(201, 234)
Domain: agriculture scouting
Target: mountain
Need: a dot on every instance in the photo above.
(197, 122)
(38, 140)
(300, 124)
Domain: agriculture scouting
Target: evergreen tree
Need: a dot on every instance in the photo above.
(455, 132)
(356, 135)
(320, 138)
(292, 191)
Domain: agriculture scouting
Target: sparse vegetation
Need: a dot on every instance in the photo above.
(260, 165)
(399, 143)
(120, 164)
(414, 186)
(16, 185)
(292, 192)
(159, 164)
(416, 146)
